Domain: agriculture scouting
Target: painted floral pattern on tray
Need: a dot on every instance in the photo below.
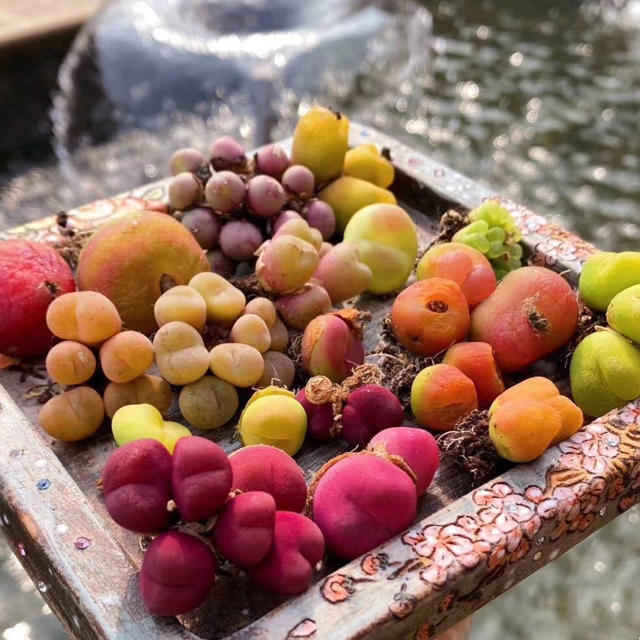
(595, 465)
(89, 217)
(597, 469)
(551, 245)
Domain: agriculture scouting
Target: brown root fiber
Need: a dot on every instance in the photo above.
(398, 366)
(319, 390)
(450, 223)
(468, 445)
(72, 240)
(250, 286)
(43, 392)
(355, 319)
(588, 322)
(215, 334)
(294, 351)
(362, 375)
(28, 369)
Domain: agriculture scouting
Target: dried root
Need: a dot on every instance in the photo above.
(398, 367)
(250, 286)
(450, 223)
(589, 321)
(72, 240)
(320, 390)
(470, 447)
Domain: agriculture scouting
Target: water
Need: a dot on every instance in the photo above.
(538, 100)
(590, 593)
(23, 614)
(151, 75)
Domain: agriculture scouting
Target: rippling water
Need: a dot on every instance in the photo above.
(540, 100)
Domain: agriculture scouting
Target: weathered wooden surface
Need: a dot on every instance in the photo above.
(462, 551)
(77, 565)
(27, 20)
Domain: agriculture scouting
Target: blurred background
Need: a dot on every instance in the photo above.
(538, 100)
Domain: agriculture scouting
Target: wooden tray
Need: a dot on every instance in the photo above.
(463, 550)
(24, 21)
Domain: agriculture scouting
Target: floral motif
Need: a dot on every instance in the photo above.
(373, 562)
(340, 586)
(446, 548)
(540, 259)
(425, 632)
(509, 522)
(626, 502)
(572, 507)
(615, 488)
(505, 509)
(630, 414)
(633, 488)
(447, 601)
(337, 588)
(550, 243)
(88, 217)
(591, 449)
(304, 629)
(634, 477)
(403, 603)
(506, 521)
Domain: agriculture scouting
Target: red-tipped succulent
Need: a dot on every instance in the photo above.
(200, 478)
(177, 573)
(297, 547)
(136, 483)
(261, 467)
(369, 409)
(244, 530)
(319, 417)
(361, 501)
(417, 447)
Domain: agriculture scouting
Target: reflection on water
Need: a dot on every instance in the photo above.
(537, 99)
(23, 614)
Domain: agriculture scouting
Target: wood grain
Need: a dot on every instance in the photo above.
(26, 20)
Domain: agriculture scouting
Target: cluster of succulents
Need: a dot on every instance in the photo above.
(89, 328)
(206, 508)
(163, 312)
(605, 367)
(526, 316)
(251, 521)
(233, 204)
(493, 232)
